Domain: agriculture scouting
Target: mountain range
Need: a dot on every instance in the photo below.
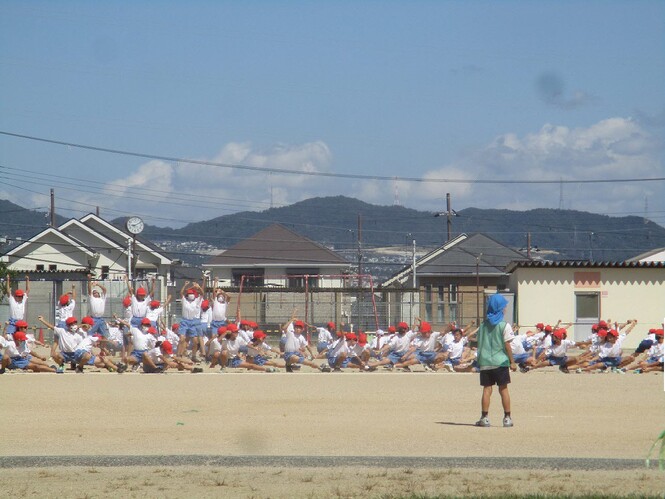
(345, 224)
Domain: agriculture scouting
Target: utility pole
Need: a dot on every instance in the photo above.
(449, 214)
(414, 284)
(360, 271)
(52, 208)
(528, 245)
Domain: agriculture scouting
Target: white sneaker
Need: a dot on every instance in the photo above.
(484, 422)
(507, 422)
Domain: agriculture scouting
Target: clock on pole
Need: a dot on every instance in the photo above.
(134, 225)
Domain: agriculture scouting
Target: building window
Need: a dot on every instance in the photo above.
(428, 302)
(587, 306)
(452, 303)
(40, 267)
(441, 305)
(296, 278)
(53, 267)
(252, 277)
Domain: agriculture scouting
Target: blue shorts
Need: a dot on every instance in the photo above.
(611, 361)
(234, 362)
(136, 321)
(288, 355)
(454, 361)
(215, 325)
(99, 327)
(521, 358)
(205, 330)
(332, 360)
(395, 357)
(353, 360)
(425, 357)
(73, 356)
(259, 360)
(654, 360)
(11, 327)
(190, 328)
(20, 362)
(557, 361)
(643, 346)
(321, 346)
(138, 355)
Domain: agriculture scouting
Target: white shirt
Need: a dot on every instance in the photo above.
(219, 310)
(97, 305)
(62, 313)
(338, 346)
(155, 354)
(115, 334)
(324, 336)
(456, 348)
(657, 351)
(561, 349)
(154, 313)
(517, 345)
(233, 346)
(67, 341)
(140, 308)
(87, 343)
(140, 340)
(400, 344)
(206, 316)
(16, 309)
(608, 349)
(191, 309)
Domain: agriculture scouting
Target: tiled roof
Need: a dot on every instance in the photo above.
(583, 264)
(277, 246)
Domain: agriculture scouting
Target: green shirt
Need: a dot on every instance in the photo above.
(492, 346)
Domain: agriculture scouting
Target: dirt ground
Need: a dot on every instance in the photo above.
(592, 416)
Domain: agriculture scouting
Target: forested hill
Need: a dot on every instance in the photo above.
(334, 222)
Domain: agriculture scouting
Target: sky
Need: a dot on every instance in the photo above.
(180, 112)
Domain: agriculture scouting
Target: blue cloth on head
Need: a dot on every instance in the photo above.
(495, 305)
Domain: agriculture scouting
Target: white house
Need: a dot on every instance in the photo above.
(584, 292)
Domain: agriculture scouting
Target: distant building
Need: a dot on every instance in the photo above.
(452, 280)
(585, 292)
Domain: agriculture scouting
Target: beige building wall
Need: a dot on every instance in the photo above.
(549, 294)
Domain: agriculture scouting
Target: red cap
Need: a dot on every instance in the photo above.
(425, 327)
(221, 330)
(154, 304)
(175, 327)
(152, 330)
(652, 330)
(127, 301)
(351, 336)
(205, 305)
(602, 324)
(141, 292)
(145, 322)
(70, 321)
(167, 347)
(548, 328)
(88, 320)
(244, 322)
(259, 335)
(594, 328)
(613, 332)
(559, 333)
(191, 291)
(658, 332)
(20, 336)
(330, 325)
(253, 325)
(232, 328)
(402, 325)
(19, 292)
(391, 329)
(64, 300)
(602, 333)
(21, 324)
(298, 324)
(362, 338)
(540, 326)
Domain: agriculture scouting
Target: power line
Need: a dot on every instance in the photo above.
(319, 174)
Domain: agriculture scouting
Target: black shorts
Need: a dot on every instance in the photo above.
(498, 376)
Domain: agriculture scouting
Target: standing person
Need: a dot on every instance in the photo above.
(191, 319)
(65, 308)
(97, 306)
(140, 301)
(219, 305)
(17, 301)
(495, 357)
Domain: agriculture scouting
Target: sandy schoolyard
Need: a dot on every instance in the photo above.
(310, 434)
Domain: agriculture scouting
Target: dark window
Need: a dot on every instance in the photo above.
(252, 277)
(40, 266)
(53, 267)
(296, 278)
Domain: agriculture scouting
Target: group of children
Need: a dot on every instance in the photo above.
(204, 336)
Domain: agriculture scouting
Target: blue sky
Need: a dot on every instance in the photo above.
(514, 90)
